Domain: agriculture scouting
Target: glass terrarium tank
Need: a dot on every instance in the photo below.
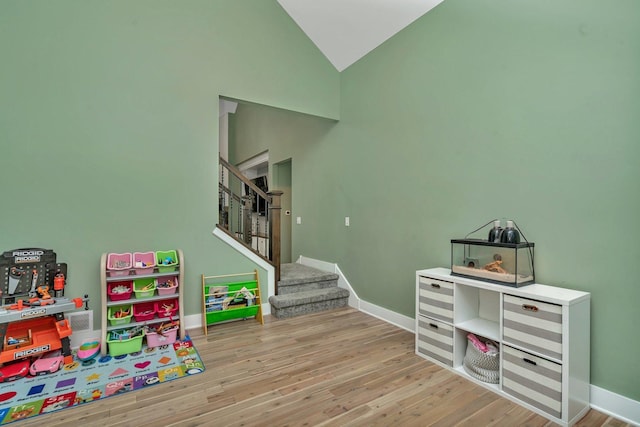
(508, 264)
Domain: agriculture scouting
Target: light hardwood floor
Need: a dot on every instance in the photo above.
(337, 368)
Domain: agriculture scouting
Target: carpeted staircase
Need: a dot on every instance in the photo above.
(304, 290)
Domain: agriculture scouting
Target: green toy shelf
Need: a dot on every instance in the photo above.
(230, 297)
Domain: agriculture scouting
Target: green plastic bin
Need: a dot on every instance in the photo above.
(231, 313)
(144, 288)
(123, 320)
(166, 261)
(118, 347)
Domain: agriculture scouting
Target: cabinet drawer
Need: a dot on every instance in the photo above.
(533, 380)
(533, 325)
(435, 340)
(436, 299)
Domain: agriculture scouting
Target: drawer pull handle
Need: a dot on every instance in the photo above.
(528, 307)
(531, 362)
(435, 285)
(433, 325)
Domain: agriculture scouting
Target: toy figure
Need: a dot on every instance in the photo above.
(495, 266)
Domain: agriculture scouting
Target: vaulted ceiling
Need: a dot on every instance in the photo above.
(346, 30)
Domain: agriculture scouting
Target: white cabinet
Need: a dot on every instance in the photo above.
(542, 333)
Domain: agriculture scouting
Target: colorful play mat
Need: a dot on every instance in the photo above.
(80, 382)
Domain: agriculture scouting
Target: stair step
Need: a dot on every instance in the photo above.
(307, 297)
(307, 302)
(309, 286)
(304, 290)
(297, 274)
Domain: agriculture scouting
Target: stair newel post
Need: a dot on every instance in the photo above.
(275, 233)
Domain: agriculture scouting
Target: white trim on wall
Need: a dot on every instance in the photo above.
(382, 313)
(616, 405)
(354, 301)
(255, 166)
(396, 319)
(225, 107)
(271, 274)
(602, 400)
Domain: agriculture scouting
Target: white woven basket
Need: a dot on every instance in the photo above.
(482, 366)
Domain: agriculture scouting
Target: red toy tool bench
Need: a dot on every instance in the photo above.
(30, 331)
(32, 315)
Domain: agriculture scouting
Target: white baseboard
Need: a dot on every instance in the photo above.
(271, 275)
(382, 313)
(354, 301)
(396, 319)
(602, 400)
(616, 405)
(194, 321)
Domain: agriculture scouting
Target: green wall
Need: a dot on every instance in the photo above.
(281, 173)
(109, 123)
(480, 110)
(298, 141)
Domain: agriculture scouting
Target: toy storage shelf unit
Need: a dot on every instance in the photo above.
(542, 333)
(139, 290)
(230, 297)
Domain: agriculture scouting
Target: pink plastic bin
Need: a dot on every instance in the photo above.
(118, 291)
(144, 311)
(155, 339)
(167, 308)
(118, 264)
(167, 285)
(144, 262)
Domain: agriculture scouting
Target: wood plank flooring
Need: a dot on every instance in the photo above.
(336, 368)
